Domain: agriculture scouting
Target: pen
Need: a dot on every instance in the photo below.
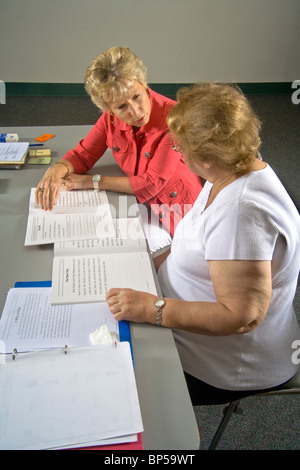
(35, 145)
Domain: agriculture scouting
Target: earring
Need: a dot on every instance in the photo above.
(111, 117)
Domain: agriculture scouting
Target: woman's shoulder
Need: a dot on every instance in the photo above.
(160, 107)
(160, 99)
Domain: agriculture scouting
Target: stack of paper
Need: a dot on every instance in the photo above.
(78, 396)
(86, 397)
(92, 252)
(13, 154)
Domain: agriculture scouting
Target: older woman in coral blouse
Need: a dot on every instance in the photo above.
(133, 125)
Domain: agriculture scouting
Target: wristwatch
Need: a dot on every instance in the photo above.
(96, 180)
(159, 305)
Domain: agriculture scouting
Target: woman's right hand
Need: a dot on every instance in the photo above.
(48, 189)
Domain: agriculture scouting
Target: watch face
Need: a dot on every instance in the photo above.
(160, 303)
(96, 178)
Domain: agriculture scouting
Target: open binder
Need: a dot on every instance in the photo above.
(124, 327)
(81, 397)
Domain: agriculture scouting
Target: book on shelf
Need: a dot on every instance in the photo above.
(13, 155)
(77, 215)
(83, 271)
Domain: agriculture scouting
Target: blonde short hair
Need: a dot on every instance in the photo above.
(215, 122)
(112, 73)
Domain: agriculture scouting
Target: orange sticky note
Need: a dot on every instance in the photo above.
(44, 137)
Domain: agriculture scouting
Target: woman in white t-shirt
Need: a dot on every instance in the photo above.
(230, 277)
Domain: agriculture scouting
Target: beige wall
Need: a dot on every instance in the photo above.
(179, 40)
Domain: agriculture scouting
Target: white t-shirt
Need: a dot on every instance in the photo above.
(252, 218)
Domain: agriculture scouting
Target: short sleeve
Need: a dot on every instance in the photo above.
(240, 231)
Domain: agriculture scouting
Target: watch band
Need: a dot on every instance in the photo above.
(158, 316)
(96, 180)
(159, 304)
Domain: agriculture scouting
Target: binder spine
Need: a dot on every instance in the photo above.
(65, 350)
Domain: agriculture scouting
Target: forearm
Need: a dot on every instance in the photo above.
(242, 291)
(205, 318)
(119, 184)
(158, 260)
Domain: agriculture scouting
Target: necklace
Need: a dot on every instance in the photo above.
(211, 196)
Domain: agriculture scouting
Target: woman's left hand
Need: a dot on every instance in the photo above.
(132, 305)
(74, 181)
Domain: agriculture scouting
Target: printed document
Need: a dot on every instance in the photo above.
(29, 321)
(85, 271)
(77, 215)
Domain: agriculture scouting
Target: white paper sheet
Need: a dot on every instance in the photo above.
(13, 152)
(72, 201)
(77, 215)
(130, 237)
(50, 399)
(50, 228)
(82, 279)
(29, 321)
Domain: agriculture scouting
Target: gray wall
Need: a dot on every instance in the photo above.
(180, 41)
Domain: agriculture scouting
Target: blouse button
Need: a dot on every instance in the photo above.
(115, 149)
(147, 155)
(173, 194)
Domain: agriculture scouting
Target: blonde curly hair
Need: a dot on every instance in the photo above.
(215, 122)
(112, 73)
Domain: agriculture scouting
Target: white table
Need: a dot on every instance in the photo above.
(167, 412)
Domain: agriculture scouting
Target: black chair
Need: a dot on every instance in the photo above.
(290, 387)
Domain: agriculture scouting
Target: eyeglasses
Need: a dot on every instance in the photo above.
(174, 147)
